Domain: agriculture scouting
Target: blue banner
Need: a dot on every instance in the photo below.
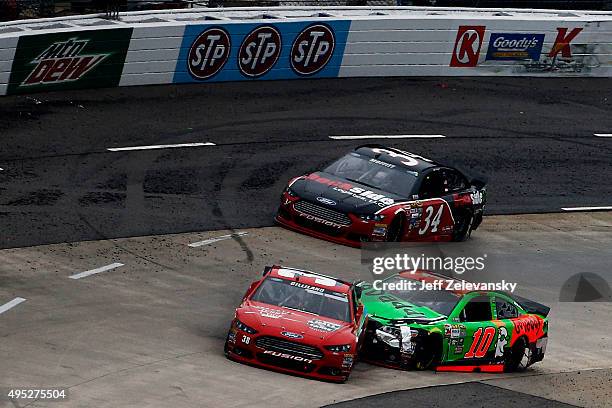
(266, 51)
(513, 46)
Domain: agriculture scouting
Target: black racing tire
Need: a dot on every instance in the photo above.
(519, 357)
(394, 234)
(463, 227)
(428, 353)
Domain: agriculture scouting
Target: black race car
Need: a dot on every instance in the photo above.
(378, 193)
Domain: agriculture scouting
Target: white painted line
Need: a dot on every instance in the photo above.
(587, 208)
(11, 304)
(97, 270)
(166, 146)
(603, 134)
(217, 239)
(386, 137)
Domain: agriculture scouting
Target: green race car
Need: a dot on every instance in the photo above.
(421, 320)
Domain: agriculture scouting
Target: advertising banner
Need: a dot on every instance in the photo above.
(69, 60)
(284, 50)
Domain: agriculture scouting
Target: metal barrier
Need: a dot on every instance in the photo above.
(247, 44)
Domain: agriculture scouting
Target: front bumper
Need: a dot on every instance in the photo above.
(353, 235)
(332, 366)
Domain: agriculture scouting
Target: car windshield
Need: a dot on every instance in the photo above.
(302, 297)
(441, 301)
(374, 173)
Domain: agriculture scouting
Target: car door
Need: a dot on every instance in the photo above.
(472, 339)
(430, 217)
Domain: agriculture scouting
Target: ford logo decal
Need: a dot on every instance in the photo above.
(326, 201)
(292, 335)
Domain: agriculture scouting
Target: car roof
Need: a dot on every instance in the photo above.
(397, 157)
(309, 278)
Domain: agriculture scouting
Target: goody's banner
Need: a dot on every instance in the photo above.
(69, 60)
(247, 51)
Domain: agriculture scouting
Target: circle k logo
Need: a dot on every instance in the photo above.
(467, 46)
(259, 51)
(312, 49)
(208, 53)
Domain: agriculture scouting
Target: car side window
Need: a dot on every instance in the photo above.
(505, 310)
(454, 181)
(477, 310)
(432, 185)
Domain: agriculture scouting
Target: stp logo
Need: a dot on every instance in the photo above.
(208, 53)
(467, 46)
(312, 49)
(259, 51)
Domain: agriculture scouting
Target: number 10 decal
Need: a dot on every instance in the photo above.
(432, 223)
(481, 343)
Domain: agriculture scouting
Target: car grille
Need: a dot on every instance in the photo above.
(322, 212)
(285, 363)
(286, 346)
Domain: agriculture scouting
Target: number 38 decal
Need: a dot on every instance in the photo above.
(432, 221)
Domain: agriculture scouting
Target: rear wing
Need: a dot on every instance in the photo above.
(532, 306)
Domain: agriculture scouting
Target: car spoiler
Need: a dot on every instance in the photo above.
(532, 306)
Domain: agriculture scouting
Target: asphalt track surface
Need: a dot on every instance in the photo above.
(151, 333)
(532, 138)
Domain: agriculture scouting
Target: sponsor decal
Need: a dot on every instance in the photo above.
(259, 51)
(208, 53)
(382, 163)
(560, 58)
(242, 51)
(531, 326)
(322, 325)
(514, 46)
(270, 313)
(455, 331)
(63, 61)
(320, 220)
(477, 197)
(327, 201)
(356, 192)
(231, 336)
(312, 49)
(292, 335)
(60, 61)
(347, 361)
(502, 340)
(309, 287)
(467, 46)
(287, 356)
(562, 42)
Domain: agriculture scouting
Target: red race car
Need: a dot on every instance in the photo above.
(378, 193)
(298, 322)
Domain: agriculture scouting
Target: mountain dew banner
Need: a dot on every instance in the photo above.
(70, 60)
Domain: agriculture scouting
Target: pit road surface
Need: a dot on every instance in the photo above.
(532, 137)
(150, 333)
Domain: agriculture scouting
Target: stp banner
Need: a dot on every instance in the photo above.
(278, 50)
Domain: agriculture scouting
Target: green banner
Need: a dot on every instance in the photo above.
(71, 60)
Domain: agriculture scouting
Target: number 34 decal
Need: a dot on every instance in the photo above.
(432, 222)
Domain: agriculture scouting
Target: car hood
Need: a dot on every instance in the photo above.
(291, 324)
(346, 196)
(386, 307)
